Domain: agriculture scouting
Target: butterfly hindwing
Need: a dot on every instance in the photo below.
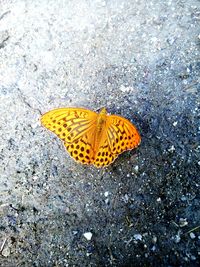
(121, 134)
(82, 150)
(104, 156)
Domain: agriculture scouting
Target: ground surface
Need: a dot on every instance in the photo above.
(139, 59)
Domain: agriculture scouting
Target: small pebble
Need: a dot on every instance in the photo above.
(154, 239)
(136, 168)
(126, 198)
(158, 199)
(193, 258)
(107, 201)
(192, 235)
(177, 239)
(183, 198)
(171, 149)
(106, 193)
(124, 89)
(6, 252)
(138, 237)
(88, 235)
(183, 222)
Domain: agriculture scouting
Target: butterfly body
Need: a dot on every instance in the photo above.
(101, 120)
(90, 137)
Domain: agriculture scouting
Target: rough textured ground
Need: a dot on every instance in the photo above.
(139, 59)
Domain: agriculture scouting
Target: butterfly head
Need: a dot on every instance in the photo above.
(103, 111)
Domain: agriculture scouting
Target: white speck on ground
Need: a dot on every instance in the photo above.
(88, 235)
(136, 168)
(158, 199)
(177, 238)
(192, 235)
(171, 149)
(106, 194)
(183, 222)
(154, 239)
(138, 237)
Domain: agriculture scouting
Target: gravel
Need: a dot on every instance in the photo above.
(139, 59)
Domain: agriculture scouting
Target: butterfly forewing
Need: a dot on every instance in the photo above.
(69, 124)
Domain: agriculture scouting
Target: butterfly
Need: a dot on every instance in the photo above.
(90, 137)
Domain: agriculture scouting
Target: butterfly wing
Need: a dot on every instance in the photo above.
(76, 127)
(82, 149)
(120, 135)
(104, 156)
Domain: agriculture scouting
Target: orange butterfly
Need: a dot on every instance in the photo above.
(90, 137)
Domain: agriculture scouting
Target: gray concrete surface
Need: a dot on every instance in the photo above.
(139, 59)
